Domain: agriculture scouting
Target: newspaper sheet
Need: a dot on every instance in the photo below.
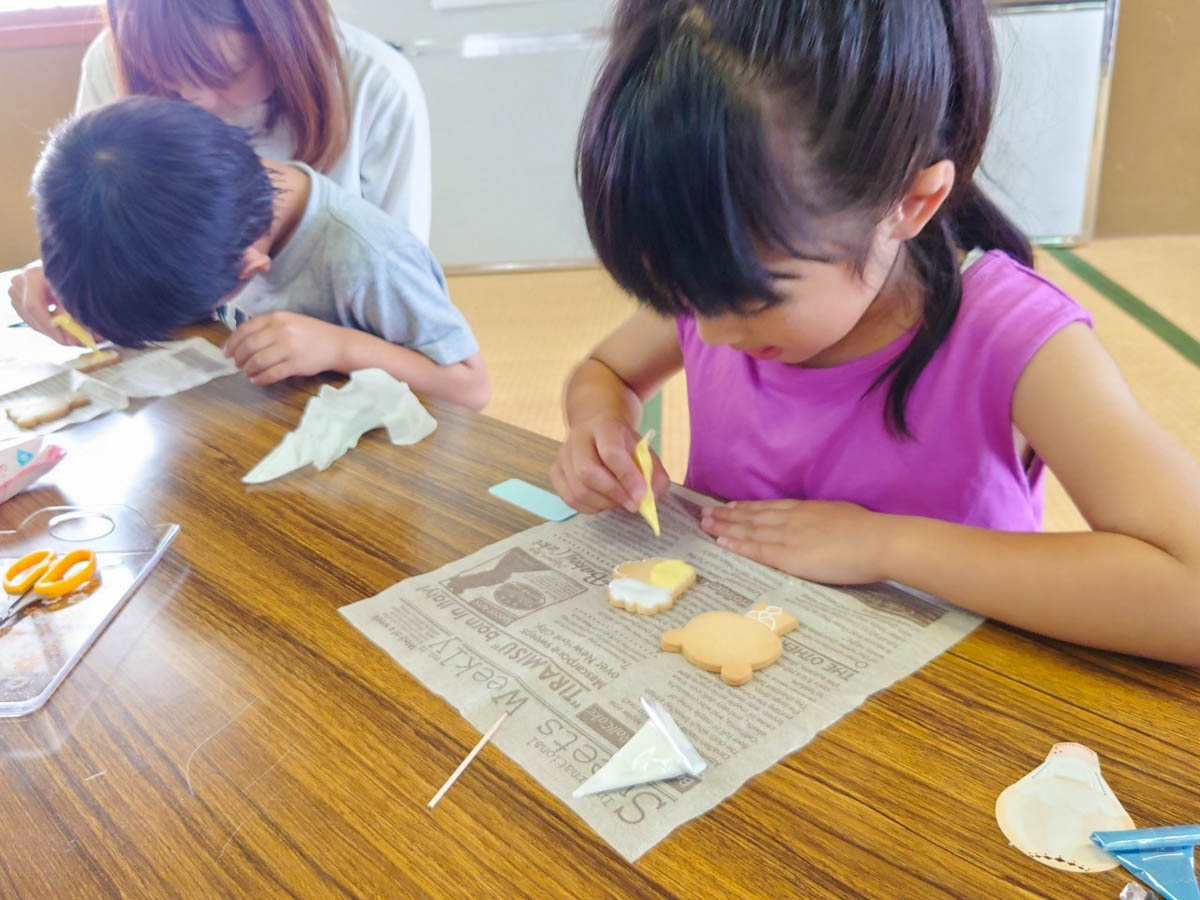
(157, 371)
(524, 626)
(166, 369)
(101, 399)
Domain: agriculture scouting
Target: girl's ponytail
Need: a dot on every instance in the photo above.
(969, 220)
(976, 220)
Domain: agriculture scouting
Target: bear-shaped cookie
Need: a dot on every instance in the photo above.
(734, 645)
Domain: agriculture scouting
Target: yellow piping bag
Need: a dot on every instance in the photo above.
(645, 462)
(77, 331)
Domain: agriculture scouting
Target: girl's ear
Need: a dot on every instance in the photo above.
(923, 199)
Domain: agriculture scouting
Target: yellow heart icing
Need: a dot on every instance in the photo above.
(670, 573)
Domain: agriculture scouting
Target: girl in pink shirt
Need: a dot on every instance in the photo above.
(875, 374)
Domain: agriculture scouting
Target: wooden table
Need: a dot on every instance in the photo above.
(230, 734)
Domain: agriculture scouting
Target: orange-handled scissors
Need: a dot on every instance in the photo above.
(43, 574)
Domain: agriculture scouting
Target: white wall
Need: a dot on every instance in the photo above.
(1038, 161)
(507, 85)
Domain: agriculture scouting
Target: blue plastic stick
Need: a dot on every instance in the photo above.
(533, 499)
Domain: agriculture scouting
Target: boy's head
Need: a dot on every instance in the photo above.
(145, 208)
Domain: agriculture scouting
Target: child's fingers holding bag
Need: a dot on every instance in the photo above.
(592, 479)
(274, 373)
(614, 443)
(575, 495)
(277, 345)
(251, 336)
(661, 482)
(587, 484)
(33, 300)
(273, 358)
(571, 488)
(259, 351)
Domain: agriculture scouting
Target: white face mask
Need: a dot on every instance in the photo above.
(1050, 814)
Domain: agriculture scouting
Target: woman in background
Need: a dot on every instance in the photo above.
(304, 84)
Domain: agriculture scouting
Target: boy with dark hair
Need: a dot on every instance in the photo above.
(153, 213)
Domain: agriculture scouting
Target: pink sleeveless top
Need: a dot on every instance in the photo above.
(766, 430)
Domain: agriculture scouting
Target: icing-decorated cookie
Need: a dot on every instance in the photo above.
(650, 586)
(33, 413)
(734, 645)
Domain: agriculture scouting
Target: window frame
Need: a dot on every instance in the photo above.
(28, 29)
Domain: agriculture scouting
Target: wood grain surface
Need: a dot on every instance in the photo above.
(231, 735)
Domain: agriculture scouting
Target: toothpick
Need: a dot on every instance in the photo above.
(466, 762)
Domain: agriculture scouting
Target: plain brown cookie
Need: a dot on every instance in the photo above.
(734, 645)
(32, 413)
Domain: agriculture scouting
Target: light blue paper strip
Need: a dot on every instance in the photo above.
(532, 499)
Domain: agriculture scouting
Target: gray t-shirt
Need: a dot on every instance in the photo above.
(349, 263)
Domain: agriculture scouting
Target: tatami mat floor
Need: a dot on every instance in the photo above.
(535, 326)
(1162, 271)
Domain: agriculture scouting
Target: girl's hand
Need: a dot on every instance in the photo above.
(835, 543)
(595, 470)
(277, 345)
(35, 303)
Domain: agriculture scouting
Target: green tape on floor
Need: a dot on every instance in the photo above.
(652, 418)
(1178, 339)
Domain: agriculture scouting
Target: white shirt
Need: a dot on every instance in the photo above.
(387, 157)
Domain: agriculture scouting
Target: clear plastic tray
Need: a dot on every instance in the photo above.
(46, 642)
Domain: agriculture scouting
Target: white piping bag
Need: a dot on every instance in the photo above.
(658, 752)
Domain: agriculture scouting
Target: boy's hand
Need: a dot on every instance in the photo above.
(36, 304)
(277, 345)
(836, 543)
(595, 470)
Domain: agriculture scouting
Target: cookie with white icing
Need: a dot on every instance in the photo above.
(650, 586)
(33, 413)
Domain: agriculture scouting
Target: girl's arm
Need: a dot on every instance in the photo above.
(624, 370)
(1133, 583)
(602, 405)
